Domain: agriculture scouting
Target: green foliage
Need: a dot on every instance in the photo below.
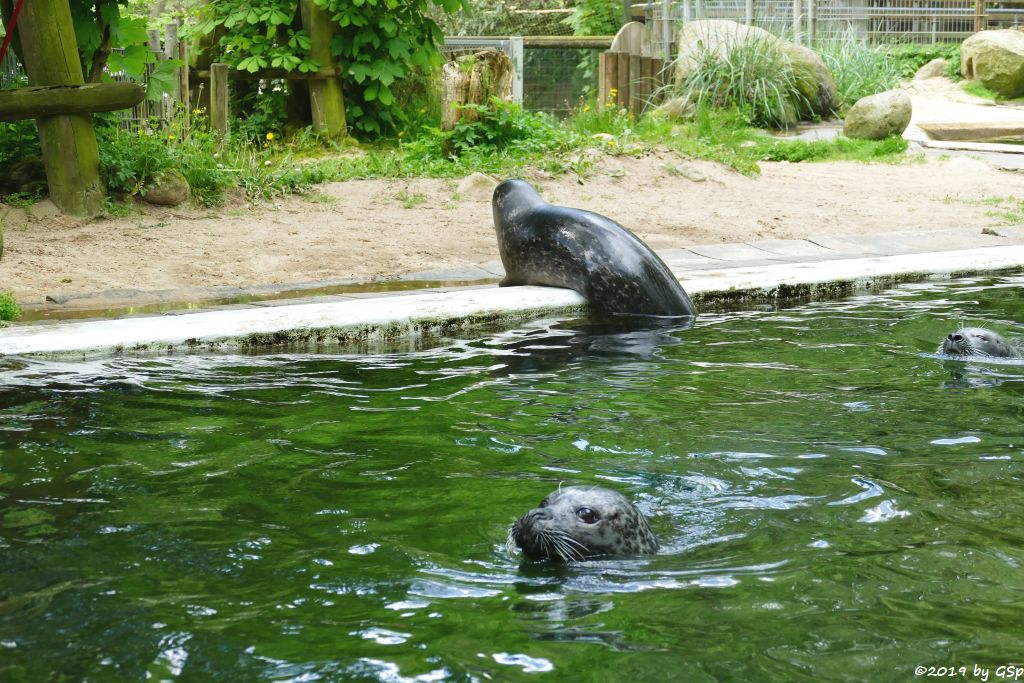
(502, 124)
(908, 58)
(18, 139)
(859, 69)
(753, 77)
(100, 27)
(378, 43)
(595, 18)
(9, 309)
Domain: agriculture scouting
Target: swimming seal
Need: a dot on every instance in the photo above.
(557, 246)
(976, 341)
(578, 522)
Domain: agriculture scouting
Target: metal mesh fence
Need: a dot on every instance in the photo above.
(874, 21)
(12, 75)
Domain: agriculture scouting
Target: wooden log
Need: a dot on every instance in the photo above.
(219, 97)
(68, 142)
(325, 96)
(53, 100)
(473, 79)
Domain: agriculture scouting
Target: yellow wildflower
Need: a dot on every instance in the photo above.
(270, 136)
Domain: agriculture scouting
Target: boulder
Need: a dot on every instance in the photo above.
(169, 188)
(878, 116)
(996, 60)
(814, 82)
(933, 69)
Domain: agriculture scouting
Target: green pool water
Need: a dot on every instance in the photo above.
(834, 501)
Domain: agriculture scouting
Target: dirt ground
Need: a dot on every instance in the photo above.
(383, 228)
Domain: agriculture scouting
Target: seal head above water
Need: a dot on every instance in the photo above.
(578, 522)
(557, 246)
(976, 341)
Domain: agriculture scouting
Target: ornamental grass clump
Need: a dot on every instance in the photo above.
(858, 69)
(753, 76)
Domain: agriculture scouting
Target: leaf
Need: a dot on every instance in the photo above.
(370, 94)
(163, 79)
(398, 48)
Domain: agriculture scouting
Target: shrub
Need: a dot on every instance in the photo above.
(9, 309)
(909, 58)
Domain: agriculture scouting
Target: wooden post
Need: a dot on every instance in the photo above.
(154, 39)
(979, 15)
(622, 61)
(219, 97)
(183, 85)
(325, 96)
(609, 65)
(70, 154)
(636, 104)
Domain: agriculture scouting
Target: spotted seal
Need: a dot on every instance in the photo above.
(557, 246)
(578, 522)
(976, 341)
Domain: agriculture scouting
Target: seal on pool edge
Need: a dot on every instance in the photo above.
(578, 522)
(976, 341)
(558, 246)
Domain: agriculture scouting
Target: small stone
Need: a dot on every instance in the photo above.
(169, 188)
(933, 69)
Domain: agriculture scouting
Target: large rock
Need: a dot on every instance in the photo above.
(996, 60)
(169, 189)
(814, 82)
(878, 116)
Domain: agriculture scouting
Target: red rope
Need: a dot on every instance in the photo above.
(10, 29)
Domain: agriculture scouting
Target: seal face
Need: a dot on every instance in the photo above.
(557, 246)
(578, 522)
(976, 341)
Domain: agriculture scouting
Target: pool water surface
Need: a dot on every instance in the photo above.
(834, 501)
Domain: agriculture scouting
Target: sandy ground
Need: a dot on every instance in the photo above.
(368, 229)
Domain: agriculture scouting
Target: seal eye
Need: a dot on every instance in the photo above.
(586, 515)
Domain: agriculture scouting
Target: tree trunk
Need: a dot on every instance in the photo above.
(473, 79)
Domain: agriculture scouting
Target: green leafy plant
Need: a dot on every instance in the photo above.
(501, 124)
(909, 57)
(377, 43)
(9, 309)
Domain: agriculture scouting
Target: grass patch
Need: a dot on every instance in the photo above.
(1006, 210)
(889, 150)
(978, 90)
(411, 200)
(9, 309)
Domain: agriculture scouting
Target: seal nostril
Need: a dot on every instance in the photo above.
(956, 337)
